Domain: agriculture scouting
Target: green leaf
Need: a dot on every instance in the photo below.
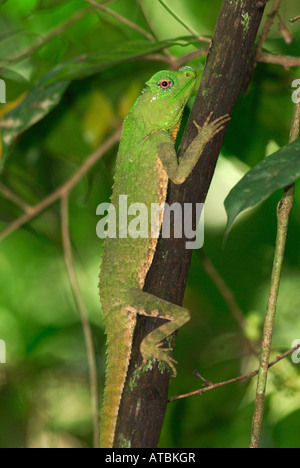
(40, 100)
(91, 63)
(48, 92)
(272, 173)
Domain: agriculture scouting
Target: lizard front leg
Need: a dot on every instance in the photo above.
(179, 172)
(152, 306)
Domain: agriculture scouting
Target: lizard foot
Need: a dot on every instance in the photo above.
(149, 351)
(210, 129)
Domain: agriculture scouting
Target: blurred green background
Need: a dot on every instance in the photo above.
(44, 385)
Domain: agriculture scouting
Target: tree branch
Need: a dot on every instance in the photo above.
(87, 333)
(287, 61)
(188, 28)
(212, 386)
(293, 20)
(266, 28)
(223, 288)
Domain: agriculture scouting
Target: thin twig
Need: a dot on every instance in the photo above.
(266, 29)
(123, 20)
(283, 213)
(171, 12)
(177, 62)
(222, 287)
(201, 52)
(293, 20)
(88, 337)
(157, 58)
(63, 189)
(287, 61)
(284, 30)
(228, 296)
(9, 195)
(206, 382)
(236, 379)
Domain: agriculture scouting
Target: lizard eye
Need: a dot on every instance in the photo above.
(165, 84)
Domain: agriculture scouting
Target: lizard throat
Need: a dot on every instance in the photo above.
(175, 130)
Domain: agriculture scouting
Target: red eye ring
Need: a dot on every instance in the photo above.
(165, 84)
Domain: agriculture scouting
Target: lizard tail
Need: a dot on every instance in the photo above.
(118, 357)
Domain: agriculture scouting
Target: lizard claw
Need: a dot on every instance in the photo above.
(158, 353)
(214, 126)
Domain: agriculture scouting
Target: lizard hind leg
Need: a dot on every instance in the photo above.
(151, 306)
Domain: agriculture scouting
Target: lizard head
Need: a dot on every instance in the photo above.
(166, 94)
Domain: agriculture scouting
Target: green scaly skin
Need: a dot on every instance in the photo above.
(146, 161)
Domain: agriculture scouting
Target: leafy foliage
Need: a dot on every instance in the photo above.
(277, 171)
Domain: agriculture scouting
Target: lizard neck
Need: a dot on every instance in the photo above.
(147, 121)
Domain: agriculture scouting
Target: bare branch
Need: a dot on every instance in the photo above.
(188, 28)
(293, 20)
(287, 61)
(212, 386)
(284, 30)
(266, 28)
(88, 337)
(222, 287)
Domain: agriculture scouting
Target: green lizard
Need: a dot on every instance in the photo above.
(146, 161)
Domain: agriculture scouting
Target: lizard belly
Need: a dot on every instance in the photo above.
(162, 195)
